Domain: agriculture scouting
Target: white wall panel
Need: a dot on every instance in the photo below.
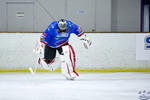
(109, 50)
(99, 15)
(82, 12)
(126, 15)
(103, 15)
(3, 16)
(20, 16)
(46, 10)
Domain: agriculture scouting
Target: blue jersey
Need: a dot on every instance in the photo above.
(52, 37)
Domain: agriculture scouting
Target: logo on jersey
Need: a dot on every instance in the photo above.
(44, 34)
(62, 34)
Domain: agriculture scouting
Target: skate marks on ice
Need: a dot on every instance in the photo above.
(91, 86)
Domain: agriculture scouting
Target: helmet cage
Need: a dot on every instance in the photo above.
(62, 24)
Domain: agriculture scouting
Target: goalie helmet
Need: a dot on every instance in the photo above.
(62, 24)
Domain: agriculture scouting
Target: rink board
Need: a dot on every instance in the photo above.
(78, 70)
(111, 52)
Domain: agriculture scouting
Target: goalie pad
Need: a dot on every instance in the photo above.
(55, 63)
(39, 50)
(68, 62)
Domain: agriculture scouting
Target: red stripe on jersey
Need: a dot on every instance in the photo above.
(44, 42)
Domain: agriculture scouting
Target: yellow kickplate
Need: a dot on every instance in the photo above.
(78, 70)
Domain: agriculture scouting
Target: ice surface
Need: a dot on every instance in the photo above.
(88, 86)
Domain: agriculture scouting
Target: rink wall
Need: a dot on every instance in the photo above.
(108, 52)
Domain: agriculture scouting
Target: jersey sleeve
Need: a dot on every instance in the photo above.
(77, 30)
(45, 37)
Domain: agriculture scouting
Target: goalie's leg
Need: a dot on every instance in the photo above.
(68, 62)
(49, 58)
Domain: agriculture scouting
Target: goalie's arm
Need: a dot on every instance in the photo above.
(78, 31)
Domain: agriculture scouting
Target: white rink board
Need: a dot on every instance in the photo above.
(108, 50)
(143, 46)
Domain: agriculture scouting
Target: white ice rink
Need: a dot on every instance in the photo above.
(89, 86)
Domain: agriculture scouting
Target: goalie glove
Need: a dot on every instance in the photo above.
(86, 41)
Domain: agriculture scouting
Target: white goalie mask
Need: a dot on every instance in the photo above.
(62, 24)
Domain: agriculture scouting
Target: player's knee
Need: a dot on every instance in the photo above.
(49, 61)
